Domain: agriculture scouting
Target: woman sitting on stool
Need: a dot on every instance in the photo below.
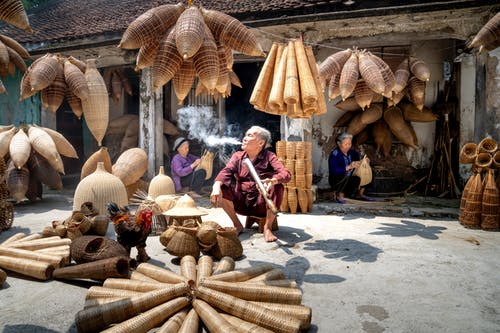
(341, 164)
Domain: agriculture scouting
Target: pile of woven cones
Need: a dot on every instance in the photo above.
(288, 83)
(204, 294)
(181, 43)
(296, 157)
(480, 202)
(12, 56)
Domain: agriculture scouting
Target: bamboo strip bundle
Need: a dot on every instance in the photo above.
(205, 268)
(249, 311)
(97, 318)
(308, 91)
(188, 267)
(321, 103)
(137, 276)
(214, 322)
(160, 274)
(174, 323)
(291, 94)
(56, 261)
(191, 323)
(261, 89)
(242, 274)
(244, 326)
(276, 101)
(254, 292)
(151, 318)
(101, 292)
(37, 269)
(277, 60)
(300, 312)
(37, 238)
(225, 264)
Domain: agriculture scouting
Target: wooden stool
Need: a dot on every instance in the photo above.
(261, 221)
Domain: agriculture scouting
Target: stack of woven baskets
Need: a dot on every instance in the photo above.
(480, 202)
(296, 156)
(257, 299)
(288, 83)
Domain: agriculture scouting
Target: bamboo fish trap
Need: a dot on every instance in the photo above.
(157, 297)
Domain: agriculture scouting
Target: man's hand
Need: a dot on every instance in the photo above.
(216, 195)
(269, 183)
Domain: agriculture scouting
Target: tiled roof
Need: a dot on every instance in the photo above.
(66, 20)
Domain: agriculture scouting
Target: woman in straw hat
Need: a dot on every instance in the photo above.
(341, 164)
(235, 190)
(183, 168)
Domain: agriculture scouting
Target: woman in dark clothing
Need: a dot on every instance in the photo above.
(341, 164)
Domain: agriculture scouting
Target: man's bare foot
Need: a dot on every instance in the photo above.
(269, 236)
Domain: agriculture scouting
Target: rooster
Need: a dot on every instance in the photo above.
(131, 230)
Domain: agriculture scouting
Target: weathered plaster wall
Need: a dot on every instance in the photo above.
(13, 111)
(492, 112)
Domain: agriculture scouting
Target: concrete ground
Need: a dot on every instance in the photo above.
(404, 265)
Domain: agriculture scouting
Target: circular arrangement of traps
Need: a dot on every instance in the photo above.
(253, 299)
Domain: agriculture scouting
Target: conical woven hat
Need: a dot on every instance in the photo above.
(185, 206)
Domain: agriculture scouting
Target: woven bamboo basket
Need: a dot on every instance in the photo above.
(17, 48)
(44, 172)
(291, 93)
(490, 209)
(483, 161)
(487, 145)
(223, 80)
(6, 215)
(382, 137)
(232, 32)
(183, 80)
(99, 225)
(308, 151)
(17, 181)
(262, 88)
(302, 199)
(290, 165)
(401, 76)
(100, 187)
(205, 268)
(228, 244)
(19, 148)
(471, 214)
(53, 95)
(207, 234)
(188, 267)
(75, 79)
(309, 180)
(225, 264)
(349, 76)
(309, 166)
(300, 181)
(399, 127)
(350, 104)
(150, 25)
(412, 113)
(90, 164)
(308, 91)
(43, 72)
(463, 198)
(396, 98)
(468, 153)
(364, 172)
(290, 151)
(37, 269)
(212, 319)
(496, 160)
(174, 323)
(420, 69)
(300, 312)
(281, 149)
(167, 62)
(161, 184)
(92, 248)
(487, 34)
(206, 60)
(333, 64)
(300, 148)
(82, 65)
(387, 75)
(75, 104)
(99, 269)
(160, 274)
(96, 106)
(248, 311)
(284, 202)
(355, 126)
(292, 199)
(300, 166)
(5, 138)
(371, 73)
(371, 114)
(43, 144)
(319, 107)
(183, 242)
(63, 146)
(189, 32)
(191, 323)
(244, 326)
(12, 12)
(131, 165)
(146, 55)
(363, 94)
(416, 90)
(334, 87)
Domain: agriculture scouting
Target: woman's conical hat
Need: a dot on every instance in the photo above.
(185, 206)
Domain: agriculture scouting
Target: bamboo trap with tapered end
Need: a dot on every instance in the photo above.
(211, 318)
(38, 269)
(256, 292)
(191, 323)
(244, 326)
(151, 318)
(248, 311)
(160, 274)
(97, 318)
(136, 276)
(99, 269)
(205, 267)
(188, 267)
(101, 292)
(132, 285)
(174, 323)
(300, 312)
(225, 264)
(242, 274)
(57, 261)
(100, 301)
